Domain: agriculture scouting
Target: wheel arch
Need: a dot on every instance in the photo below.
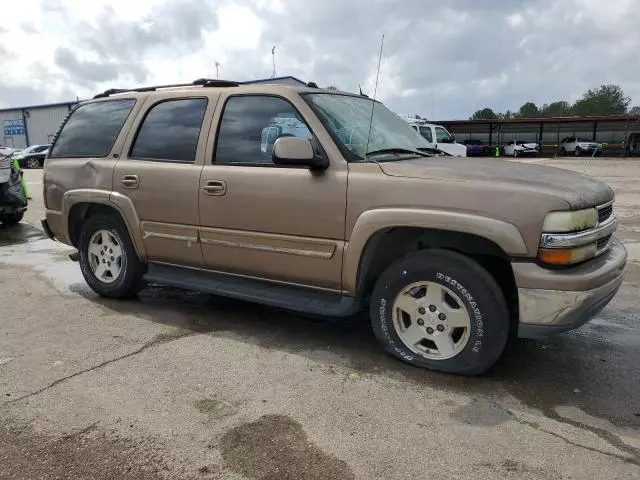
(79, 206)
(387, 244)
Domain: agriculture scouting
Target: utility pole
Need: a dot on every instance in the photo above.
(273, 56)
(217, 72)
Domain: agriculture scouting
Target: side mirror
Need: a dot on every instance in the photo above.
(297, 152)
(453, 139)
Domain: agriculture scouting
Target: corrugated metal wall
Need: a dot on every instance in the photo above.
(43, 123)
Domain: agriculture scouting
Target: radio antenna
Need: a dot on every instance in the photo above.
(375, 93)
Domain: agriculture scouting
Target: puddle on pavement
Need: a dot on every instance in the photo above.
(275, 447)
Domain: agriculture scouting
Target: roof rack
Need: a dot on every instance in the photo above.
(204, 82)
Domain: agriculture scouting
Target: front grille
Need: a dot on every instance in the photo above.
(604, 213)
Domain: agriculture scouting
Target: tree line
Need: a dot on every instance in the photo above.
(606, 100)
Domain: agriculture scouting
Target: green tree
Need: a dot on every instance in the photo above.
(529, 110)
(556, 109)
(606, 100)
(635, 111)
(332, 87)
(484, 114)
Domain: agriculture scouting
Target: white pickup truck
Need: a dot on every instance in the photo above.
(437, 135)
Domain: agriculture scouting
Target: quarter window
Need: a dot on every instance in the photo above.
(170, 131)
(92, 129)
(250, 126)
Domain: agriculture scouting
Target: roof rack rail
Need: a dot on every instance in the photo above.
(205, 82)
(212, 82)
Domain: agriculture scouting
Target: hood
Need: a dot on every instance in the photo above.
(580, 191)
(455, 149)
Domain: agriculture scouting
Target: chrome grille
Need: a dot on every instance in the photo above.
(605, 212)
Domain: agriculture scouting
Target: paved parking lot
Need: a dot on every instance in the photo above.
(178, 384)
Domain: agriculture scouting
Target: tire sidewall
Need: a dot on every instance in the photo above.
(489, 322)
(129, 274)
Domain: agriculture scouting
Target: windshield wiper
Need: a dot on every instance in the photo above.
(436, 151)
(397, 151)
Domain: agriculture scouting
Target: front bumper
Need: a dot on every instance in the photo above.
(571, 297)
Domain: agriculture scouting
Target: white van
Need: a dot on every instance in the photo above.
(437, 135)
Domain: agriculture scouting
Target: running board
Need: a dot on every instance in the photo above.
(275, 295)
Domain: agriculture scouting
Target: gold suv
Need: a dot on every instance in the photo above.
(327, 203)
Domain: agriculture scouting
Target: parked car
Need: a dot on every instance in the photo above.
(517, 148)
(450, 258)
(476, 147)
(438, 136)
(579, 146)
(6, 151)
(632, 144)
(13, 198)
(32, 157)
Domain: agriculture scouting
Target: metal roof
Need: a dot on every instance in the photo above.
(44, 105)
(268, 80)
(539, 120)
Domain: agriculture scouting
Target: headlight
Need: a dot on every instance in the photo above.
(575, 221)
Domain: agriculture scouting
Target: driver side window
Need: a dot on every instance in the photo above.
(250, 126)
(442, 136)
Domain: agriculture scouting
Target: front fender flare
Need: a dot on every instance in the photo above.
(502, 233)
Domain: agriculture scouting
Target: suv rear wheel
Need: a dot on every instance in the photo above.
(108, 260)
(442, 311)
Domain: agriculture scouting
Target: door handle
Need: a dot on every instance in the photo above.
(130, 181)
(214, 187)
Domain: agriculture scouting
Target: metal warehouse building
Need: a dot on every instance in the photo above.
(33, 125)
(38, 124)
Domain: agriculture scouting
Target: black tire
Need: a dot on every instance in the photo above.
(481, 295)
(130, 280)
(577, 152)
(563, 152)
(515, 153)
(11, 218)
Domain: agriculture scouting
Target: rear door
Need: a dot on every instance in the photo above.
(159, 171)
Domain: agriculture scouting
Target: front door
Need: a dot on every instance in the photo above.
(160, 175)
(263, 220)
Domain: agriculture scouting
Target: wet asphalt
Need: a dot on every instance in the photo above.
(178, 384)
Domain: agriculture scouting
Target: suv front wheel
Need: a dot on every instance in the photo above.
(108, 260)
(442, 311)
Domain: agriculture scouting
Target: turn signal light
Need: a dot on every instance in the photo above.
(568, 256)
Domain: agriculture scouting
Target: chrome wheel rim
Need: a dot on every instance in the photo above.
(105, 255)
(431, 320)
(33, 163)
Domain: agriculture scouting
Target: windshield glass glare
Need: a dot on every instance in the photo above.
(349, 118)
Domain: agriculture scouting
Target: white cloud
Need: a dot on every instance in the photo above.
(464, 54)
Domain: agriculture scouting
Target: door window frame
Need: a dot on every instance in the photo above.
(314, 138)
(203, 128)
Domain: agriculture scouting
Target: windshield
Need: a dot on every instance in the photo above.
(583, 140)
(349, 118)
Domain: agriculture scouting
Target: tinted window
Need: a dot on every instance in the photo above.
(170, 131)
(426, 133)
(250, 126)
(41, 148)
(92, 129)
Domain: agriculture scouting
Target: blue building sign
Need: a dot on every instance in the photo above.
(13, 127)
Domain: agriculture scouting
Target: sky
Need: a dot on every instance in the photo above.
(441, 59)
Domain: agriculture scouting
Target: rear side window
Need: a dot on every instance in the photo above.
(92, 129)
(170, 131)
